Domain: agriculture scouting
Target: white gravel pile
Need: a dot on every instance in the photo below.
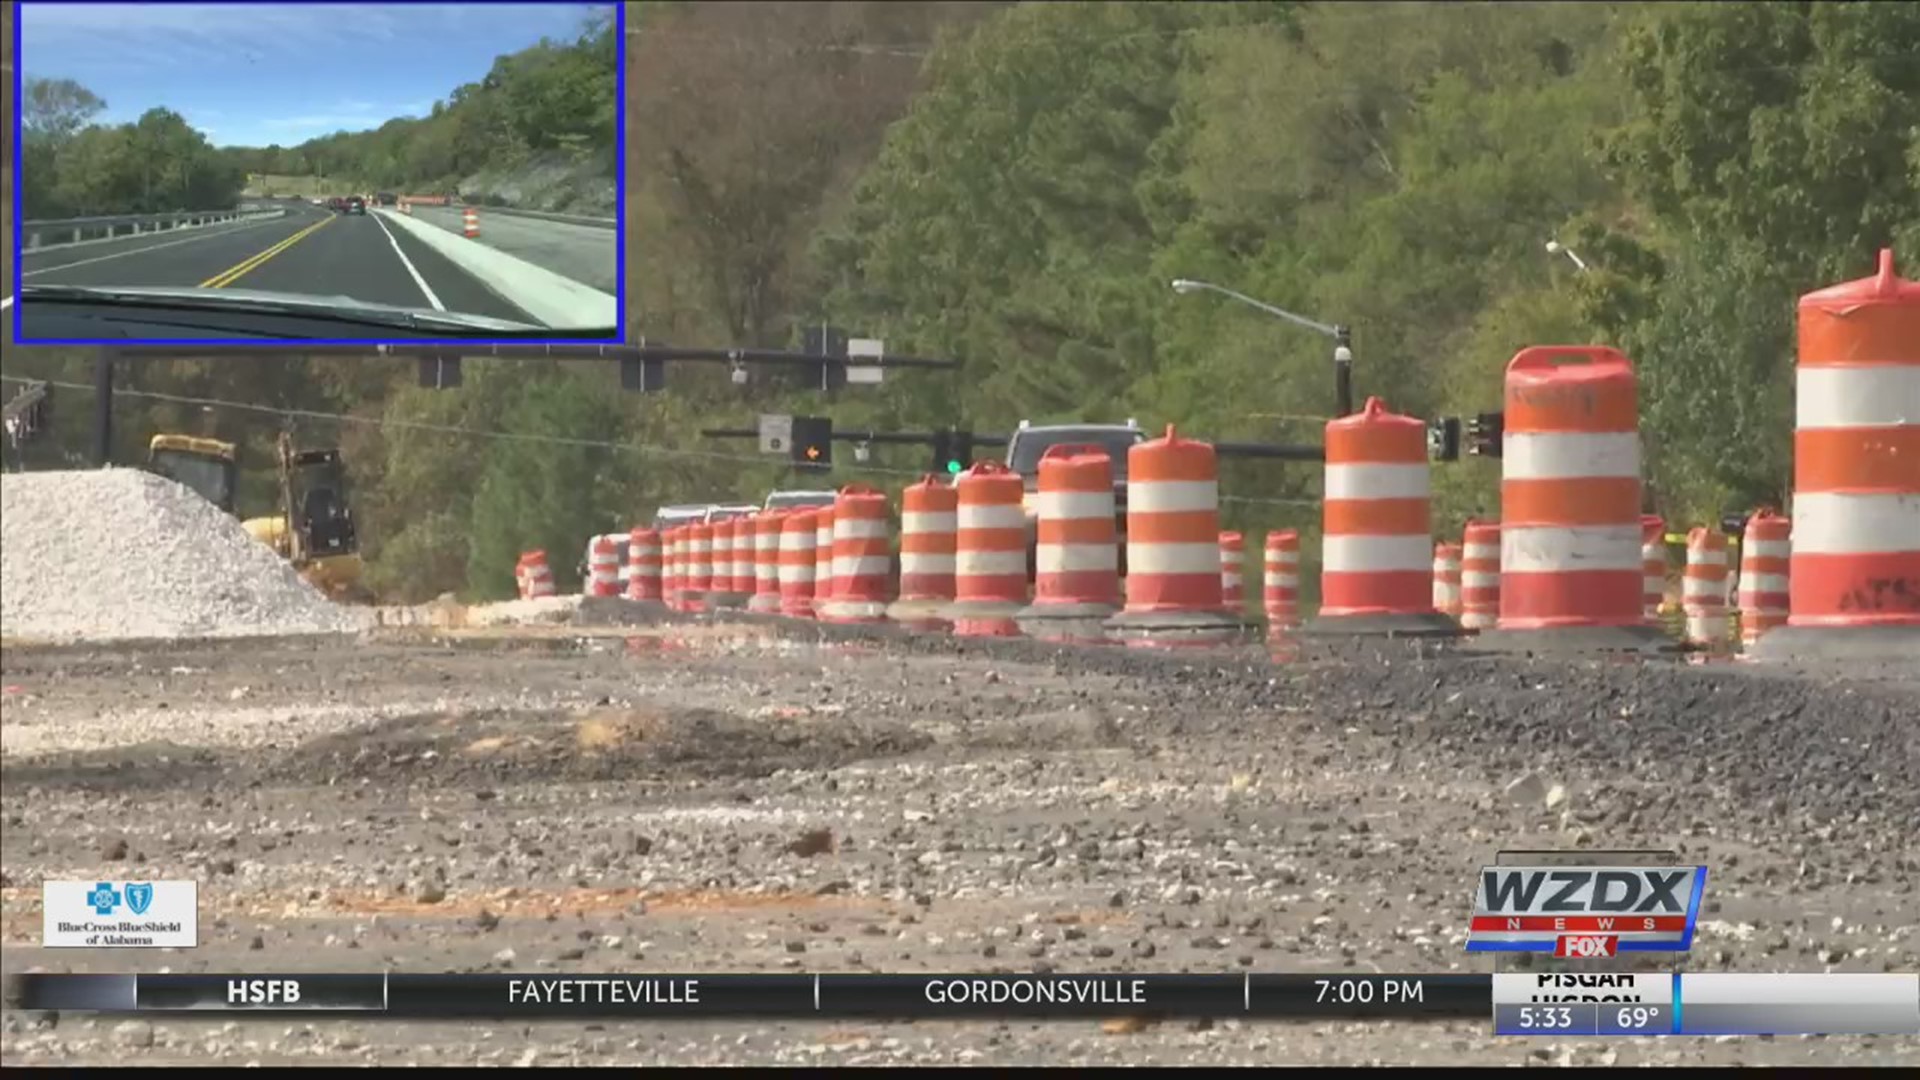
(114, 554)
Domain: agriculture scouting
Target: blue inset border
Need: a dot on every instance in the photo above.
(293, 345)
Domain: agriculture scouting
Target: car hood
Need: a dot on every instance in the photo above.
(265, 298)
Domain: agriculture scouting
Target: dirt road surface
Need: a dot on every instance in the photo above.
(724, 798)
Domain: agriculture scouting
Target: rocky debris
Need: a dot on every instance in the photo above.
(118, 554)
(1322, 814)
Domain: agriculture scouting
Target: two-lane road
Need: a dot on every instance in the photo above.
(312, 251)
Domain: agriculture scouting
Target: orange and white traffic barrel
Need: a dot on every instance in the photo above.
(766, 561)
(1570, 502)
(1233, 562)
(1766, 551)
(862, 557)
(1076, 547)
(929, 528)
(1480, 575)
(1280, 591)
(823, 582)
(798, 535)
(990, 557)
(539, 575)
(698, 579)
(1653, 566)
(678, 565)
(603, 567)
(720, 549)
(643, 565)
(470, 223)
(1173, 547)
(745, 575)
(1854, 584)
(732, 563)
(1446, 579)
(1376, 555)
(1703, 591)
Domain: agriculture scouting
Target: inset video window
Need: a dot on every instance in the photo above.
(316, 172)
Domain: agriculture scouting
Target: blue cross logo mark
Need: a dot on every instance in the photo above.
(103, 899)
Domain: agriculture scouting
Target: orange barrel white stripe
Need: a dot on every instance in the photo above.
(766, 561)
(862, 557)
(1703, 591)
(1173, 546)
(1281, 587)
(470, 222)
(990, 558)
(603, 567)
(822, 559)
(1856, 456)
(539, 575)
(1653, 565)
(1570, 491)
(1233, 562)
(1765, 555)
(1377, 548)
(1480, 575)
(520, 577)
(643, 564)
(1446, 579)
(929, 524)
(797, 539)
(699, 577)
(1076, 547)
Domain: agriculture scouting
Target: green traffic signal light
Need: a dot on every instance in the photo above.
(953, 467)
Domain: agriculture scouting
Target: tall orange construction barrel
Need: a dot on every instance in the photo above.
(1571, 572)
(1853, 581)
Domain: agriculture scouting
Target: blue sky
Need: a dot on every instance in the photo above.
(259, 74)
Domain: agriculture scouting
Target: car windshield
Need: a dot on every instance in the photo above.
(244, 182)
(1031, 444)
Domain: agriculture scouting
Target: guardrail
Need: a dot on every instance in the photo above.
(92, 230)
(543, 215)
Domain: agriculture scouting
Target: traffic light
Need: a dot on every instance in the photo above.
(1443, 438)
(1484, 434)
(647, 374)
(812, 446)
(952, 451)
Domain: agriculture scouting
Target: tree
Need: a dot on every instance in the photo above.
(1774, 146)
(753, 114)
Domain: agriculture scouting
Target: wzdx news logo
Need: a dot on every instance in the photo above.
(1585, 912)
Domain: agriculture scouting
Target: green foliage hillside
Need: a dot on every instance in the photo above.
(1016, 184)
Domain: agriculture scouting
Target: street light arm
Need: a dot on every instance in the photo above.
(1184, 285)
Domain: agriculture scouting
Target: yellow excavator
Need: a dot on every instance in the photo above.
(314, 527)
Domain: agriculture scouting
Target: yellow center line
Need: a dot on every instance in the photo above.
(227, 277)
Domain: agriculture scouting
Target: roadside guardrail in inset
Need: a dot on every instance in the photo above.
(33, 233)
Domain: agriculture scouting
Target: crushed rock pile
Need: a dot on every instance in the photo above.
(118, 554)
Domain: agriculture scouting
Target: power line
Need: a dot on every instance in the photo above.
(516, 436)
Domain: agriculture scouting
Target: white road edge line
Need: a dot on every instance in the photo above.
(24, 273)
(408, 263)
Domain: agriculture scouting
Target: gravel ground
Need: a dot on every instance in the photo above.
(738, 798)
(117, 554)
